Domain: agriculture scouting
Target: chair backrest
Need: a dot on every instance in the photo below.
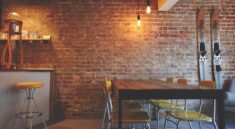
(229, 86)
(169, 79)
(207, 83)
(182, 81)
(108, 92)
(107, 89)
(108, 86)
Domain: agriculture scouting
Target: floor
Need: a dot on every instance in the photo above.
(77, 124)
(96, 124)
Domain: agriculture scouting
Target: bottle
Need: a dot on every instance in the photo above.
(13, 66)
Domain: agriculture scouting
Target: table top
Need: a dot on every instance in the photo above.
(150, 85)
(159, 88)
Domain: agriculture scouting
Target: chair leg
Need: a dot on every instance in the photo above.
(129, 125)
(103, 121)
(215, 125)
(158, 119)
(109, 125)
(165, 117)
(190, 124)
(200, 125)
(25, 123)
(132, 125)
(177, 124)
(148, 126)
(165, 122)
(145, 125)
(149, 111)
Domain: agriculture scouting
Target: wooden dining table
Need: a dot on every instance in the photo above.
(158, 89)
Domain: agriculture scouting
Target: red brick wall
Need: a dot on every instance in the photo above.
(92, 39)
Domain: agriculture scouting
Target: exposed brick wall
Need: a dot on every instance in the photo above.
(92, 39)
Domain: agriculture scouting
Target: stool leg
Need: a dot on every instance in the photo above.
(24, 105)
(30, 109)
(27, 108)
(12, 125)
(36, 106)
(44, 123)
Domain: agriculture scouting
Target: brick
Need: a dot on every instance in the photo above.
(94, 39)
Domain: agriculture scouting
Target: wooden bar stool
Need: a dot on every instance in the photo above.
(29, 113)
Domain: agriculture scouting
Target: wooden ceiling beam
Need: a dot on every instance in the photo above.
(166, 5)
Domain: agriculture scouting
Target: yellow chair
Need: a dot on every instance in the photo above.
(30, 112)
(194, 115)
(126, 106)
(169, 79)
(167, 104)
(207, 83)
(128, 116)
(182, 81)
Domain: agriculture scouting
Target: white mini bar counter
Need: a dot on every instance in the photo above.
(12, 99)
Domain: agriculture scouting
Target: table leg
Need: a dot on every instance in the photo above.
(119, 113)
(220, 111)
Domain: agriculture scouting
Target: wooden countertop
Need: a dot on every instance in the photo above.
(30, 70)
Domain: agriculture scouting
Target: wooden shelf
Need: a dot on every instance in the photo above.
(28, 40)
(29, 69)
(13, 33)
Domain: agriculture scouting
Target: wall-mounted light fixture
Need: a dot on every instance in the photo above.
(148, 7)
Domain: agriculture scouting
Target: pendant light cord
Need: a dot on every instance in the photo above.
(138, 7)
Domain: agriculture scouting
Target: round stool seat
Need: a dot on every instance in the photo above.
(24, 85)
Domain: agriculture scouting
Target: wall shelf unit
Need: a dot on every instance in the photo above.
(28, 40)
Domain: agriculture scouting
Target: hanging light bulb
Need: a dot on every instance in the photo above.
(148, 7)
(148, 10)
(138, 20)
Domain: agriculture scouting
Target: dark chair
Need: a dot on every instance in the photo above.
(229, 87)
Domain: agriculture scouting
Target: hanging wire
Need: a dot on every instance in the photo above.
(138, 6)
(138, 14)
(148, 7)
(203, 4)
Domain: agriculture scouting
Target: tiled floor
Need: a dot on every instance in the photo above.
(96, 124)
